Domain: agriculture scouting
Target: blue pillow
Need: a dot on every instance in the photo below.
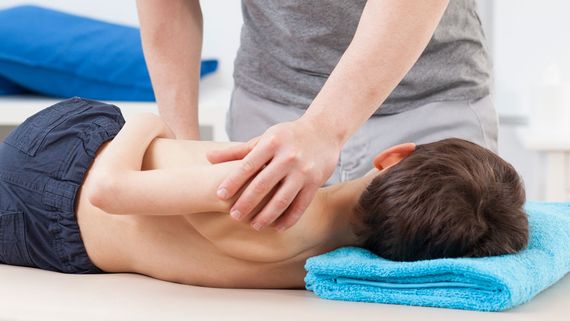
(9, 88)
(63, 55)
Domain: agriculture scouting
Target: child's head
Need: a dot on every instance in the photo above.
(450, 198)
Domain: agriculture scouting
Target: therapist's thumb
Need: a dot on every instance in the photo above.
(231, 153)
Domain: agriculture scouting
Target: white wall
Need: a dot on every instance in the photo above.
(486, 12)
(528, 35)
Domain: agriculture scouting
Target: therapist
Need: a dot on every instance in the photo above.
(322, 86)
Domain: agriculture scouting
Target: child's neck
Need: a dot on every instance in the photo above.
(337, 203)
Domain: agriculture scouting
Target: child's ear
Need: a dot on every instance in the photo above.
(393, 155)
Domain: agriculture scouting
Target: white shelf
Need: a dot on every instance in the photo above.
(213, 105)
(545, 139)
(554, 144)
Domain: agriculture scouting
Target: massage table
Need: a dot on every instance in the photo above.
(32, 294)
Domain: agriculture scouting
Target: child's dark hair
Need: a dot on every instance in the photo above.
(450, 198)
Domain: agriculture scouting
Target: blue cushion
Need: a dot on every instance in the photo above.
(63, 55)
(9, 88)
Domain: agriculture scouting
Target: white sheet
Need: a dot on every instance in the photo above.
(30, 294)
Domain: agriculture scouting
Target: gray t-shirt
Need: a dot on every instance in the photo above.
(290, 47)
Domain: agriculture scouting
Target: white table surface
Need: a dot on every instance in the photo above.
(31, 294)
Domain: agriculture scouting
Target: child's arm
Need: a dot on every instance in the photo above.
(117, 185)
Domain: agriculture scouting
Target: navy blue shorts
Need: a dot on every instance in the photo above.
(42, 165)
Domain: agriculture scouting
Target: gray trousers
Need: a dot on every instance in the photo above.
(476, 121)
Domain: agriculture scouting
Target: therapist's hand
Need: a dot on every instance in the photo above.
(295, 158)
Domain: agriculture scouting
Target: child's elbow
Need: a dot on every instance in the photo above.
(102, 191)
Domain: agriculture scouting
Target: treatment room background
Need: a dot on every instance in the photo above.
(531, 78)
(529, 49)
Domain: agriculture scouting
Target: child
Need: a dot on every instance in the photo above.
(83, 192)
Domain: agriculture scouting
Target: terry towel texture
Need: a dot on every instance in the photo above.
(485, 284)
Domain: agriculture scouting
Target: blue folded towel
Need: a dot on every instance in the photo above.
(485, 284)
(64, 55)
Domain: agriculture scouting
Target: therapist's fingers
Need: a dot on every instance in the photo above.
(231, 153)
(250, 165)
(258, 189)
(278, 204)
(297, 208)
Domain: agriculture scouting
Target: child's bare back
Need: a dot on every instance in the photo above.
(207, 248)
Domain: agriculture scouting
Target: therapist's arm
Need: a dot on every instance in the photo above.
(302, 154)
(171, 34)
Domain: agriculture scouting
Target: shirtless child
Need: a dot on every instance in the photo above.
(83, 192)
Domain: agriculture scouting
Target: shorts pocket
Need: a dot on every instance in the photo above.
(13, 248)
(29, 136)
